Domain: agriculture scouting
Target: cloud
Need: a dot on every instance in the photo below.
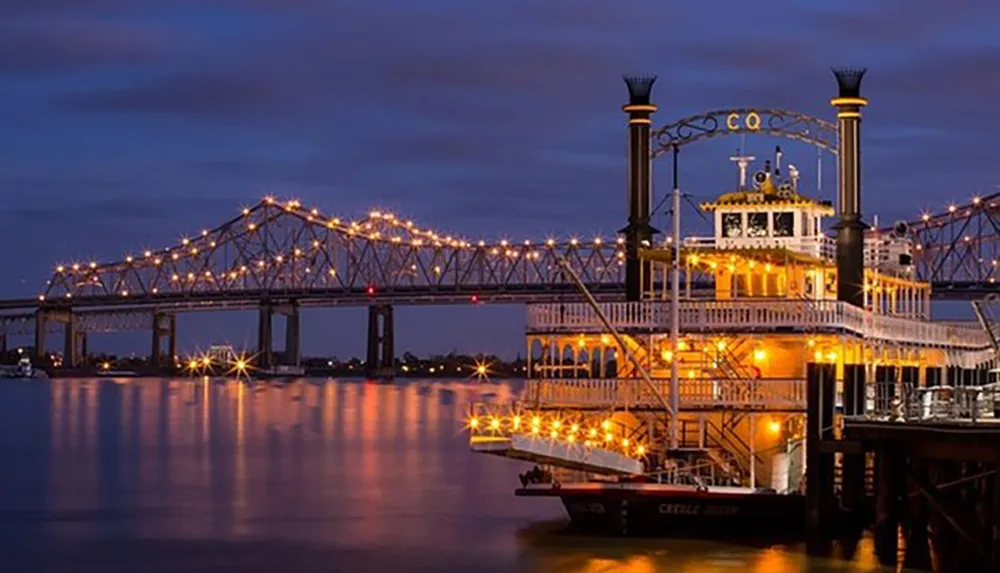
(46, 45)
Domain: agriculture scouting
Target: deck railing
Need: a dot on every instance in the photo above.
(762, 394)
(962, 404)
(751, 315)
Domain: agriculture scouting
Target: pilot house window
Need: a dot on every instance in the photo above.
(756, 224)
(732, 225)
(784, 224)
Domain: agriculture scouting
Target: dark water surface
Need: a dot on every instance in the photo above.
(176, 475)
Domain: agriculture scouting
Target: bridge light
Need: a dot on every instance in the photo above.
(370, 290)
(475, 298)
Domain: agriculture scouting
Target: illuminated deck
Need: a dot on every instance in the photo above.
(758, 316)
(548, 451)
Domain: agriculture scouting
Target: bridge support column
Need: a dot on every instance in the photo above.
(74, 342)
(850, 229)
(821, 380)
(293, 353)
(264, 334)
(381, 359)
(41, 330)
(164, 325)
(638, 233)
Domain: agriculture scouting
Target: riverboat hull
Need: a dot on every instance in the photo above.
(657, 510)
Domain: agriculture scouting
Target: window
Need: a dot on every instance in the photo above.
(732, 225)
(756, 224)
(806, 225)
(784, 224)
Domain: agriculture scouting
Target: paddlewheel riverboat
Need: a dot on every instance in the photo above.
(685, 411)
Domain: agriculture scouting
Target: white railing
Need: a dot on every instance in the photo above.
(963, 404)
(751, 315)
(819, 246)
(753, 394)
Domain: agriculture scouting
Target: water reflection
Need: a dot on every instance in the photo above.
(307, 476)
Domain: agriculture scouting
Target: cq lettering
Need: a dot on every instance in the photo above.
(750, 122)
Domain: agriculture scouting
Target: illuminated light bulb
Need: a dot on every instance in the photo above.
(606, 425)
(556, 425)
(720, 345)
(536, 421)
(592, 433)
(608, 437)
(774, 426)
(495, 423)
(574, 428)
(474, 423)
(553, 434)
(831, 356)
(667, 355)
(767, 268)
(517, 422)
(759, 354)
(570, 438)
(811, 343)
(534, 429)
(640, 450)
(605, 339)
(817, 356)
(625, 442)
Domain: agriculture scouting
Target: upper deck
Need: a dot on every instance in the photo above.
(756, 316)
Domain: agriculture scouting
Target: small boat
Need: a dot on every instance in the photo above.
(280, 371)
(23, 369)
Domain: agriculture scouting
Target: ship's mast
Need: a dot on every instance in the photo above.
(743, 161)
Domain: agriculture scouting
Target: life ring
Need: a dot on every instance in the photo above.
(755, 372)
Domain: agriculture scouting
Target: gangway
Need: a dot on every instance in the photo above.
(591, 446)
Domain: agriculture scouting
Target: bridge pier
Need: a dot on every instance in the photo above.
(381, 337)
(74, 344)
(41, 329)
(293, 353)
(264, 335)
(164, 325)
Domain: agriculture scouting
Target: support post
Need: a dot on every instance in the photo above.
(264, 334)
(854, 462)
(675, 304)
(41, 330)
(821, 381)
(388, 361)
(888, 484)
(164, 325)
(70, 339)
(638, 233)
(850, 229)
(293, 351)
(381, 349)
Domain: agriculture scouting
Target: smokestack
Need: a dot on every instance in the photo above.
(638, 233)
(850, 229)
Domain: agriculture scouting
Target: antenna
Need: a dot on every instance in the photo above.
(819, 171)
(743, 161)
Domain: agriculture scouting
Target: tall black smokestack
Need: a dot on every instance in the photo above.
(850, 229)
(638, 233)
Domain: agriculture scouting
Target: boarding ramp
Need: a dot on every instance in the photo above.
(589, 442)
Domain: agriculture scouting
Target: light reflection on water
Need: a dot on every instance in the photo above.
(187, 475)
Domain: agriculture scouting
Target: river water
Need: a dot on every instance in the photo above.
(318, 475)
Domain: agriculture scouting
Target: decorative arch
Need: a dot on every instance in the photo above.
(775, 122)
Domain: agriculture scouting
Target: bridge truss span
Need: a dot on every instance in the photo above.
(958, 249)
(281, 248)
